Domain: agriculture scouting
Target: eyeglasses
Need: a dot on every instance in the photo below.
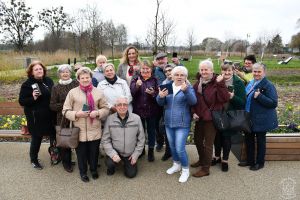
(122, 104)
(227, 62)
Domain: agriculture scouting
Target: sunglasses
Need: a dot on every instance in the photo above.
(228, 62)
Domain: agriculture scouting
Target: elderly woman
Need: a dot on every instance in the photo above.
(178, 119)
(236, 90)
(85, 106)
(144, 89)
(35, 96)
(113, 87)
(58, 97)
(98, 71)
(130, 64)
(261, 103)
(212, 94)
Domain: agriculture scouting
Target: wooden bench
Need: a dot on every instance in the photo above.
(11, 108)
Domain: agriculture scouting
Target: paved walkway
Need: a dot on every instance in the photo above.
(18, 180)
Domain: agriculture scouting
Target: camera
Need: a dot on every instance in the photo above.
(36, 87)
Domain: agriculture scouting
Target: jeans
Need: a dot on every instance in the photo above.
(261, 147)
(177, 139)
(150, 123)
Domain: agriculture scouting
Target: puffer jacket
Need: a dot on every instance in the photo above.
(177, 108)
(89, 131)
(127, 140)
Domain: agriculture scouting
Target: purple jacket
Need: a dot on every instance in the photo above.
(143, 103)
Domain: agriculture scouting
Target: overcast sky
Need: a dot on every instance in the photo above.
(222, 19)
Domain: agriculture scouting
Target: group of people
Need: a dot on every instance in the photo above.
(116, 109)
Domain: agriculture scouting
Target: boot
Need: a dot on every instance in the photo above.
(167, 155)
(151, 154)
(204, 171)
(176, 167)
(196, 164)
(185, 173)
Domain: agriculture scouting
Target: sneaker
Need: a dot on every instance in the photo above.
(36, 165)
(185, 173)
(175, 168)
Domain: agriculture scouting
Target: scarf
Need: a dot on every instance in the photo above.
(131, 70)
(90, 100)
(250, 93)
(63, 82)
(203, 82)
(112, 81)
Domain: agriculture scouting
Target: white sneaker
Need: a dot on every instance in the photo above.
(175, 168)
(185, 173)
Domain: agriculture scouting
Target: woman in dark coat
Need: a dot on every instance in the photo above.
(35, 96)
(144, 90)
(58, 97)
(261, 103)
(236, 90)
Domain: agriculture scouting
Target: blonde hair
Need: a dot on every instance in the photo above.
(84, 70)
(101, 58)
(125, 59)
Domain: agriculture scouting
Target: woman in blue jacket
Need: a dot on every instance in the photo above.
(177, 100)
(261, 103)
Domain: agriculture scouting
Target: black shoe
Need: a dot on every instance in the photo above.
(37, 165)
(166, 156)
(256, 167)
(68, 167)
(85, 178)
(215, 161)
(110, 172)
(243, 164)
(150, 154)
(159, 147)
(95, 175)
(224, 167)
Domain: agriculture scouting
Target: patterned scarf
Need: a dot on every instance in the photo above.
(90, 100)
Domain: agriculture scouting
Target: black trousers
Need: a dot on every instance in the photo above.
(130, 170)
(87, 153)
(66, 156)
(35, 146)
(222, 142)
(261, 147)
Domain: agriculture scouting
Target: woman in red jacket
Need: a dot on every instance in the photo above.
(212, 94)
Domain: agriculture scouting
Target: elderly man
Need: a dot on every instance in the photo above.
(176, 60)
(123, 139)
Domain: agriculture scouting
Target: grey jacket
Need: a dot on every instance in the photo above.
(128, 140)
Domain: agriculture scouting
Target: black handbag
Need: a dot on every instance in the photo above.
(233, 120)
(67, 137)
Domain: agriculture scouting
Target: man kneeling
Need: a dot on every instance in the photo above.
(123, 139)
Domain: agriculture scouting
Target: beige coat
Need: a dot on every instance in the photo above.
(74, 102)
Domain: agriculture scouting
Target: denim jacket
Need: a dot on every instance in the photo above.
(177, 108)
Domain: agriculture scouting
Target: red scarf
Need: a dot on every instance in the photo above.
(90, 100)
(130, 70)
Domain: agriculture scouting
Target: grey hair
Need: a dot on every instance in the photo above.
(207, 63)
(84, 70)
(121, 97)
(179, 68)
(259, 65)
(63, 67)
(107, 65)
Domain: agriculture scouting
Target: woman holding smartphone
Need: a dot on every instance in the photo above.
(35, 96)
(85, 105)
(144, 89)
(236, 90)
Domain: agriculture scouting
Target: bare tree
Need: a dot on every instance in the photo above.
(56, 21)
(191, 40)
(122, 36)
(16, 23)
(111, 35)
(166, 28)
(79, 29)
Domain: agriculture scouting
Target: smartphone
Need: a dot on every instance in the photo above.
(230, 88)
(36, 87)
(85, 107)
(168, 86)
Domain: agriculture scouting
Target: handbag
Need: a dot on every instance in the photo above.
(67, 137)
(233, 120)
